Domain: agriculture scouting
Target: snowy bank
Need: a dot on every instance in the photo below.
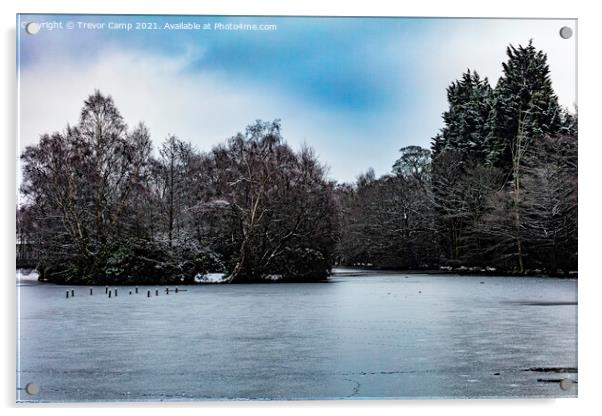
(210, 278)
(27, 275)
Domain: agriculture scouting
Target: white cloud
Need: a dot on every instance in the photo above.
(207, 107)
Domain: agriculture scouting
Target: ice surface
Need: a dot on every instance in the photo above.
(361, 335)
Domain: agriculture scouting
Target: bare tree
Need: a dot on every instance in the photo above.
(281, 204)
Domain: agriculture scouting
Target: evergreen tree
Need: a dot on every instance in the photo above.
(459, 145)
(465, 121)
(524, 104)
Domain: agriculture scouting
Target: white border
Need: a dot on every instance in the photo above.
(590, 24)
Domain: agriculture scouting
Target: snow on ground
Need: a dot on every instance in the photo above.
(210, 278)
(25, 275)
(274, 277)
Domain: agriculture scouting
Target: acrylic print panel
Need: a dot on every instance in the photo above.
(274, 208)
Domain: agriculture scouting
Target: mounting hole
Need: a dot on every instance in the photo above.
(566, 384)
(32, 28)
(32, 389)
(566, 32)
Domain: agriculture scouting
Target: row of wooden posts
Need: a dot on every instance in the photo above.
(111, 292)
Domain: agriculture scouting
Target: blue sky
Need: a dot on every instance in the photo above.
(355, 89)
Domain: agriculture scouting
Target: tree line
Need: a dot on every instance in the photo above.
(496, 191)
(103, 208)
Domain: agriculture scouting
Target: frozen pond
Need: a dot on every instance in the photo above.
(362, 335)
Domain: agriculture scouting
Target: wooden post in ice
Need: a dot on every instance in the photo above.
(130, 292)
(115, 292)
(136, 290)
(72, 292)
(156, 292)
(176, 290)
(90, 291)
(106, 289)
(110, 293)
(67, 295)
(148, 294)
(167, 291)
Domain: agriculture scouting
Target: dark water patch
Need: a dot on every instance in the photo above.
(549, 380)
(542, 303)
(555, 380)
(552, 369)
